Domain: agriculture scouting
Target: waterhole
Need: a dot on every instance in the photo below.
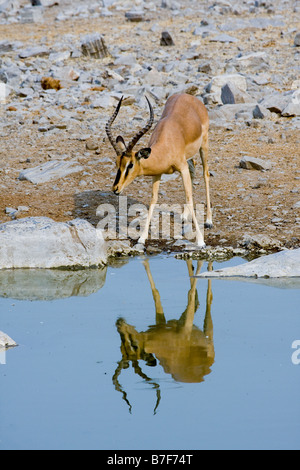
(142, 355)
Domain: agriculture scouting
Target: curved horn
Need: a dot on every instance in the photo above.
(108, 127)
(143, 131)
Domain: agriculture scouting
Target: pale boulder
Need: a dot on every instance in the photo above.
(39, 242)
(285, 264)
(6, 341)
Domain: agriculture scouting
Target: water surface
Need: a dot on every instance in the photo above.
(141, 356)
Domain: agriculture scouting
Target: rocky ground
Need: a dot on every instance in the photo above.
(240, 57)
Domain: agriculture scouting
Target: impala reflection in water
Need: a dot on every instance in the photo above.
(182, 349)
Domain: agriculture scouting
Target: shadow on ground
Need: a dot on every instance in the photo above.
(87, 203)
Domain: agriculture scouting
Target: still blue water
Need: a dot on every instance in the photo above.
(101, 365)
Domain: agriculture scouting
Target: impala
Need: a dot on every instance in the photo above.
(179, 135)
(182, 349)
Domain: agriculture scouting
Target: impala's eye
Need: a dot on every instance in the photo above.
(130, 166)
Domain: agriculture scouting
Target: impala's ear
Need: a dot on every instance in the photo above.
(143, 153)
(121, 143)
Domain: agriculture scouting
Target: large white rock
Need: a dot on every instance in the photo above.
(293, 107)
(6, 341)
(285, 264)
(39, 242)
(220, 80)
(214, 88)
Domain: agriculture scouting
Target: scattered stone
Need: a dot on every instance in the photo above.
(155, 78)
(214, 88)
(225, 38)
(277, 220)
(287, 104)
(295, 85)
(260, 242)
(59, 56)
(256, 61)
(135, 16)
(23, 209)
(219, 81)
(72, 74)
(118, 248)
(259, 112)
(166, 39)
(211, 254)
(11, 211)
(37, 51)
(94, 46)
(39, 242)
(153, 250)
(261, 79)
(225, 115)
(104, 100)
(44, 128)
(32, 15)
(139, 248)
(293, 107)
(50, 171)
(231, 94)
(186, 245)
(297, 40)
(252, 163)
(9, 6)
(227, 95)
(49, 83)
(114, 75)
(5, 46)
(205, 68)
(261, 183)
(91, 145)
(24, 92)
(50, 3)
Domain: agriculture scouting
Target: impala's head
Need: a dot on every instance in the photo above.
(128, 160)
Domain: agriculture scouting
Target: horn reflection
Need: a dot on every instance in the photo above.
(182, 349)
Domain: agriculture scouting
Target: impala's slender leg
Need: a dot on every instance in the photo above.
(187, 182)
(204, 158)
(155, 189)
(160, 316)
(186, 216)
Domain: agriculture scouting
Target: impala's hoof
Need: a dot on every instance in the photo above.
(208, 225)
(201, 245)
